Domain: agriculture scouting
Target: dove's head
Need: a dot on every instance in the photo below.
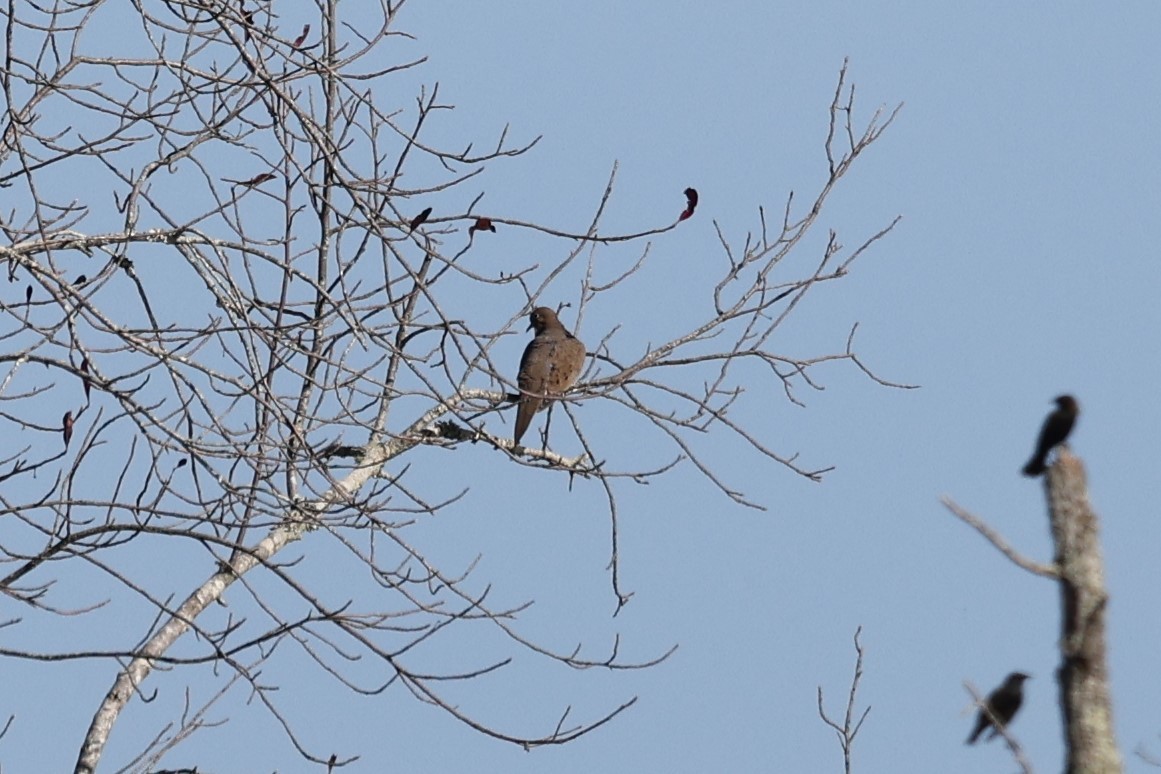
(542, 318)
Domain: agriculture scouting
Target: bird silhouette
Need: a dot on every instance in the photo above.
(1002, 704)
(1056, 428)
(551, 363)
(85, 378)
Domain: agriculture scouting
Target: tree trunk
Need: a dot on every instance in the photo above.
(1083, 674)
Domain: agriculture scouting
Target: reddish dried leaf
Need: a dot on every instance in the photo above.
(690, 203)
(418, 220)
(482, 224)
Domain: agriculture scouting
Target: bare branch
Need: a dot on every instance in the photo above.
(850, 727)
(993, 537)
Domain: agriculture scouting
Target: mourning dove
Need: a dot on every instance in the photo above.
(1002, 704)
(551, 364)
(1056, 428)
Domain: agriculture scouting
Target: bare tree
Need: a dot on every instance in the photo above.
(1085, 698)
(243, 271)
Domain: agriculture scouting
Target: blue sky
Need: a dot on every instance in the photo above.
(1026, 171)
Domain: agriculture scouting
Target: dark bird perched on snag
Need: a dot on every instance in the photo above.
(1001, 704)
(1054, 432)
(690, 203)
(551, 363)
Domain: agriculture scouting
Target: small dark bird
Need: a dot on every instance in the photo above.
(418, 220)
(551, 363)
(482, 224)
(81, 280)
(247, 19)
(85, 377)
(1002, 703)
(67, 427)
(28, 295)
(1055, 430)
(248, 23)
(690, 203)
